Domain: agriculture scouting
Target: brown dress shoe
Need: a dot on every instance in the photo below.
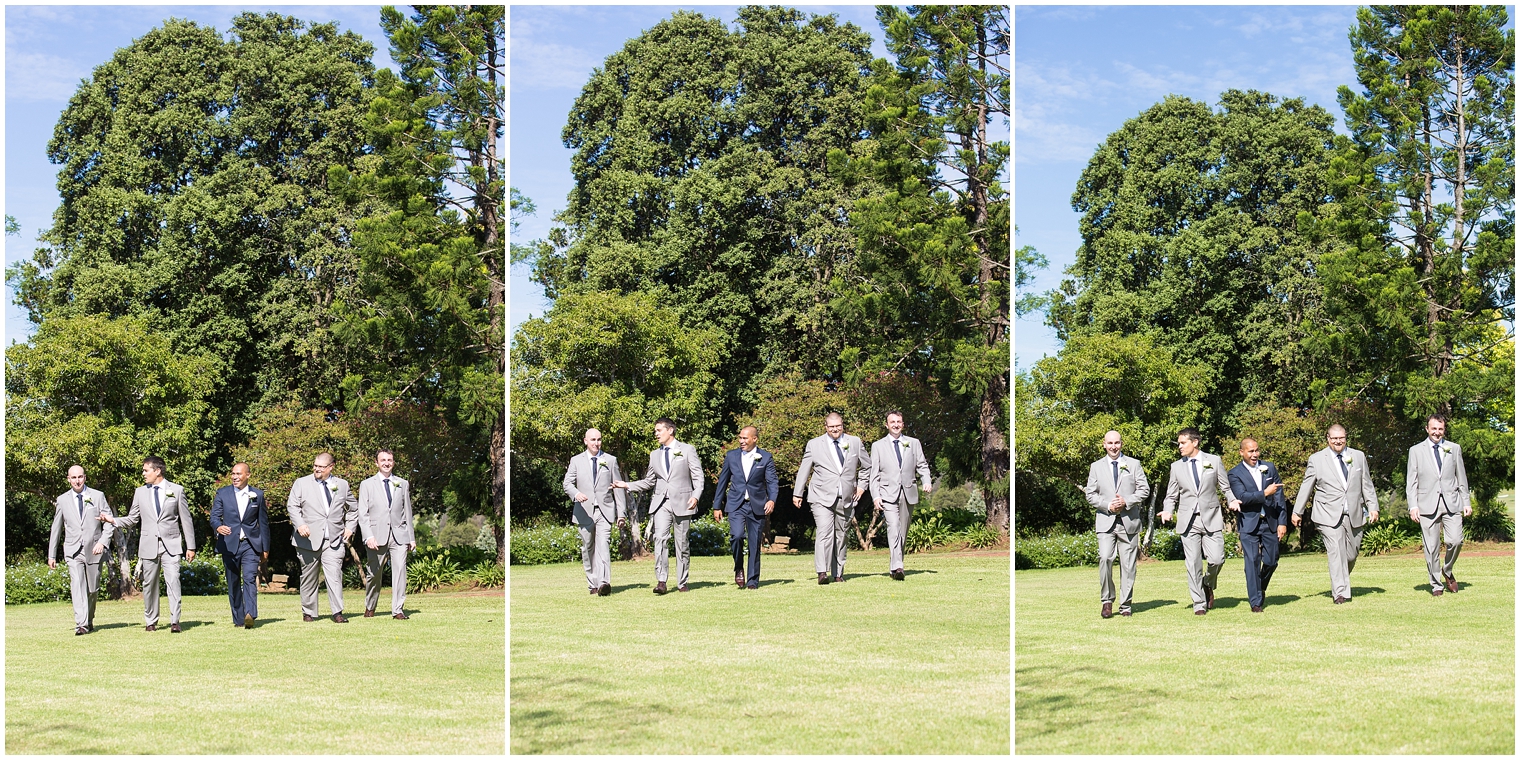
(823, 579)
(682, 587)
(174, 628)
(151, 627)
(605, 590)
(1200, 612)
(839, 579)
(400, 616)
(1451, 583)
(739, 580)
(1108, 610)
(338, 618)
(1208, 594)
(305, 618)
(593, 592)
(247, 621)
(1125, 613)
(1435, 592)
(369, 613)
(897, 575)
(1341, 600)
(80, 631)
(659, 588)
(1256, 608)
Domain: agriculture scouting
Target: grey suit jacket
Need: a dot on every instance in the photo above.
(1322, 478)
(326, 523)
(387, 522)
(1202, 499)
(833, 482)
(80, 534)
(1132, 485)
(892, 482)
(605, 503)
(672, 490)
(170, 522)
(1431, 489)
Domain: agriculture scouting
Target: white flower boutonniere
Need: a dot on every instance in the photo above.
(1123, 468)
(89, 500)
(1349, 462)
(844, 446)
(1445, 449)
(1261, 468)
(603, 465)
(1207, 466)
(678, 455)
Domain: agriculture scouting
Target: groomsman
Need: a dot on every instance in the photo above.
(895, 459)
(76, 511)
(1115, 488)
(588, 482)
(841, 472)
(1436, 486)
(322, 509)
(675, 474)
(167, 534)
(240, 517)
(1197, 479)
(1344, 502)
(752, 473)
(1263, 518)
(385, 522)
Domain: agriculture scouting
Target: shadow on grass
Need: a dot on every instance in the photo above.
(694, 585)
(630, 587)
(1425, 587)
(1355, 591)
(117, 625)
(776, 581)
(1282, 599)
(1151, 605)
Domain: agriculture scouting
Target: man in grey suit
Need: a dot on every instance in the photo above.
(1436, 486)
(323, 511)
(1344, 502)
(895, 459)
(1197, 479)
(76, 511)
(385, 522)
(598, 506)
(167, 534)
(840, 472)
(675, 474)
(1115, 487)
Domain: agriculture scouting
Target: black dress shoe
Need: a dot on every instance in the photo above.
(305, 618)
(739, 580)
(80, 631)
(823, 579)
(338, 618)
(1107, 611)
(659, 588)
(605, 590)
(1200, 612)
(897, 575)
(174, 628)
(1256, 608)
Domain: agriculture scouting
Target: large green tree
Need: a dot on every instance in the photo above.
(933, 272)
(431, 303)
(1190, 233)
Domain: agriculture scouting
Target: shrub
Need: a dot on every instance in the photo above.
(1387, 535)
(462, 556)
(458, 533)
(34, 582)
(926, 534)
(708, 536)
(489, 575)
(544, 545)
(206, 576)
(979, 536)
(1046, 552)
(1490, 521)
(430, 573)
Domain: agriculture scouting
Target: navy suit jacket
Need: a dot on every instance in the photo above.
(1253, 502)
(762, 485)
(255, 524)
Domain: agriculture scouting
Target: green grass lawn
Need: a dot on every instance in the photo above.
(1396, 671)
(868, 666)
(431, 684)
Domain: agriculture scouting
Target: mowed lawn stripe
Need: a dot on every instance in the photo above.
(869, 666)
(431, 684)
(1394, 671)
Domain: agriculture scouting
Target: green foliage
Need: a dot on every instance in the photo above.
(458, 533)
(489, 574)
(1490, 521)
(979, 536)
(926, 533)
(1044, 504)
(428, 573)
(1389, 534)
(545, 545)
(31, 582)
(1167, 544)
(1045, 552)
(708, 537)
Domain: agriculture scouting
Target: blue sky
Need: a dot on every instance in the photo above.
(50, 48)
(1081, 72)
(554, 49)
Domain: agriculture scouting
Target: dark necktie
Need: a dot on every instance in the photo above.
(1115, 463)
(839, 451)
(898, 449)
(1196, 482)
(327, 492)
(666, 449)
(80, 498)
(1436, 447)
(387, 491)
(1345, 473)
(593, 472)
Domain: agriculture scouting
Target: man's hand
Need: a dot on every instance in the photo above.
(797, 501)
(928, 487)
(103, 517)
(878, 505)
(1166, 517)
(347, 534)
(717, 514)
(1269, 490)
(1297, 521)
(622, 522)
(99, 547)
(304, 531)
(264, 557)
(223, 531)
(1467, 511)
(1372, 517)
(411, 546)
(1116, 508)
(371, 544)
(1282, 530)
(619, 484)
(770, 505)
(858, 492)
(581, 497)
(52, 563)
(1235, 505)
(691, 503)
(1414, 513)
(190, 555)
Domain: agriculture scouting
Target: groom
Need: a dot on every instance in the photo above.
(241, 521)
(752, 473)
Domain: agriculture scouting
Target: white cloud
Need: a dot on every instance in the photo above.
(41, 77)
(1045, 97)
(540, 64)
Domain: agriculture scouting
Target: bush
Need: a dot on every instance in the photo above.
(927, 533)
(1387, 535)
(206, 576)
(458, 533)
(462, 556)
(979, 536)
(430, 573)
(1042, 504)
(34, 582)
(1046, 552)
(708, 536)
(489, 575)
(544, 545)
(1490, 521)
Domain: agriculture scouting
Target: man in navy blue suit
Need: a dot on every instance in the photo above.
(240, 518)
(752, 473)
(1263, 518)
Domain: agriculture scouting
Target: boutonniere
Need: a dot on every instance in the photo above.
(252, 497)
(168, 495)
(678, 455)
(89, 500)
(603, 465)
(1445, 449)
(1349, 462)
(1123, 468)
(904, 445)
(844, 446)
(1207, 466)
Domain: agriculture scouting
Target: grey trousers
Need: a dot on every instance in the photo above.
(1342, 542)
(1111, 543)
(1432, 529)
(596, 556)
(330, 561)
(1199, 545)
(664, 520)
(898, 516)
(84, 584)
(150, 573)
(831, 536)
(375, 560)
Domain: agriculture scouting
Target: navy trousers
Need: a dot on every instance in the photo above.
(743, 524)
(242, 581)
(1258, 541)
